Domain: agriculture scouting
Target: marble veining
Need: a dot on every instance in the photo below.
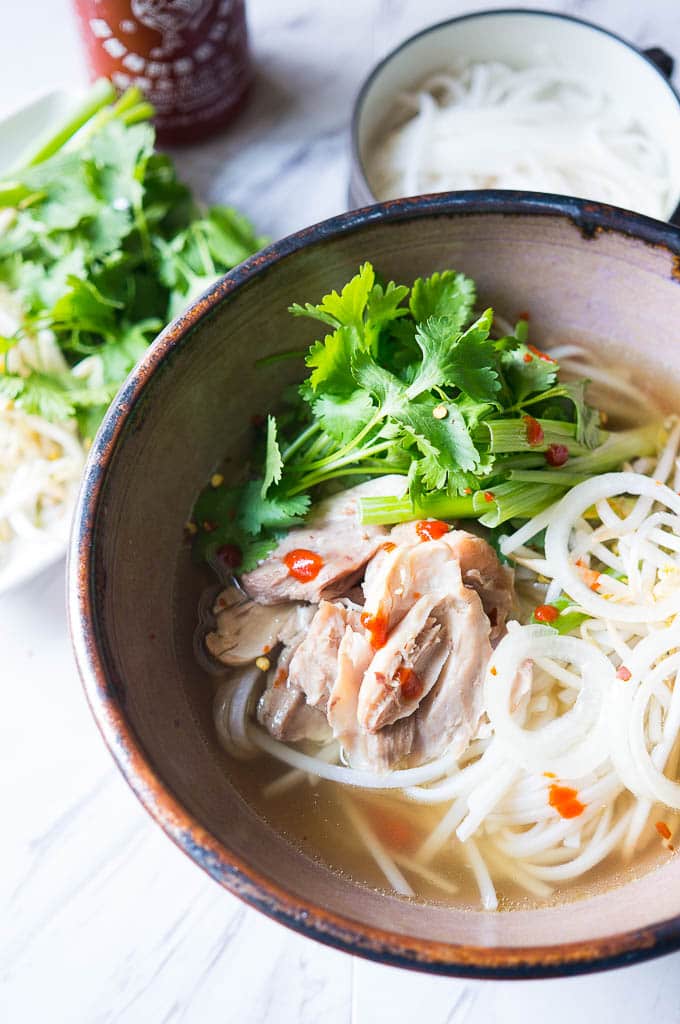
(102, 919)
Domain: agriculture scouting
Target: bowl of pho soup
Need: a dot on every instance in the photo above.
(392, 655)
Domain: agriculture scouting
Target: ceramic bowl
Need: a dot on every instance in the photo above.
(639, 80)
(583, 271)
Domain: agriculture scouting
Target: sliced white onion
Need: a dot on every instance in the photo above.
(557, 545)
(571, 745)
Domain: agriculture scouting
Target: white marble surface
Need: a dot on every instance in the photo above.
(101, 918)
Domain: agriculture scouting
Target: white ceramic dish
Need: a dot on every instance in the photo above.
(20, 132)
(519, 38)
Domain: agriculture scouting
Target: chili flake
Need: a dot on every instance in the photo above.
(623, 673)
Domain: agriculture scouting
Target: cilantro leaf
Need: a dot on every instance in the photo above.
(587, 418)
(449, 359)
(274, 512)
(447, 294)
(345, 309)
(331, 362)
(383, 385)
(342, 418)
(273, 465)
(448, 437)
(527, 373)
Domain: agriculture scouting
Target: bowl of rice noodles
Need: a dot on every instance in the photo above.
(517, 99)
(542, 842)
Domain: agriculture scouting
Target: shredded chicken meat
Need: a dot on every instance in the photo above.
(396, 680)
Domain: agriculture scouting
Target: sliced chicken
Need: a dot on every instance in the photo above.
(400, 680)
(283, 709)
(244, 630)
(397, 577)
(384, 750)
(479, 564)
(433, 663)
(326, 557)
(315, 662)
(449, 716)
(483, 571)
(404, 671)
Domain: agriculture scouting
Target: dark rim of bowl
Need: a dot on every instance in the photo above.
(355, 152)
(316, 922)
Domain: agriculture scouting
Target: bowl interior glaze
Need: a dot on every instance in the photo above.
(134, 591)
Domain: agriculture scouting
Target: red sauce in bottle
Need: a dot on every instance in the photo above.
(376, 626)
(304, 565)
(189, 57)
(431, 529)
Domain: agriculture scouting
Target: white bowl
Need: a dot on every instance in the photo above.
(518, 38)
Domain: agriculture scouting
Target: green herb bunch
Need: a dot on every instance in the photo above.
(100, 246)
(415, 381)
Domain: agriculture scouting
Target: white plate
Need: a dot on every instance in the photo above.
(20, 132)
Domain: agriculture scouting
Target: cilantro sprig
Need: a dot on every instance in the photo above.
(416, 381)
(100, 246)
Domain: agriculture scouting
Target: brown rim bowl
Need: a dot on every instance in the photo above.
(582, 270)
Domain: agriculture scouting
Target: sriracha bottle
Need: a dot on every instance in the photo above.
(189, 57)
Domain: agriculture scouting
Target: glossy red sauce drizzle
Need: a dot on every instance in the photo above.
(431, 529)
(534, 431)
(411, 685)
(546, 613)
(304, 565)
(376, 625)
(565, 801)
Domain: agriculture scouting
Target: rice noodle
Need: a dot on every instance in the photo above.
(541, 128)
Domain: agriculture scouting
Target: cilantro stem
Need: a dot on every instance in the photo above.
(11, 194)
(318, 447)
(352, 445)
(330, 468)
(514, 501)
(510, 435)
(140, 112)
(562, 478)
(301, 440)
(378, 511)
(128, 102)
(101, 94)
